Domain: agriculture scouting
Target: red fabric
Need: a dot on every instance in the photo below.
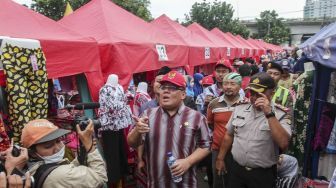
(196, 42)
(195, 27)
(67, 52)
(233, 42)
(247, 49)
(253, 47)
(261, 50)
(2, 78)
(127, 44)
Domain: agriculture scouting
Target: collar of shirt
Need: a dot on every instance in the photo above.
(179, 111)
(222, 98)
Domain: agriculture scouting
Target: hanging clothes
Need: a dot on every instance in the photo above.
(331, 147)
(115, 155)
(325, 127)
(4, 139)
(114, 113)
(303, 87)
(27, 85)
(332, 89)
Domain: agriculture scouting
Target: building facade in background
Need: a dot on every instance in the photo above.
(320, 9)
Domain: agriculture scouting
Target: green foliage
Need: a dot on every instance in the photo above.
(137, 7)
(54, 9)
(271, 28)
(217, 14)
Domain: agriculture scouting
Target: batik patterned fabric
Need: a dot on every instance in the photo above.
(27, 85)
(303, 87)
(114, 113)
(4, 139)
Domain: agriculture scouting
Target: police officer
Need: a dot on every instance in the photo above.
(282, 95)
(256, 131)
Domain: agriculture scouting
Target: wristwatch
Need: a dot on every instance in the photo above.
(269, 115)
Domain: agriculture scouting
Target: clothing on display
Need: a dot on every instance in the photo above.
(27, 85)
(303, 87)
(332, 89)
(114, 113)
(331, 147)
(324, 128)
(4, 139)
(115, 155)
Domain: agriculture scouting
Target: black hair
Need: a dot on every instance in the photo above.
(244, 70)
(163, 70)
(254, 69)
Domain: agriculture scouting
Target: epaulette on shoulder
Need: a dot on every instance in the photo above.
(243, 101)
(283, 108)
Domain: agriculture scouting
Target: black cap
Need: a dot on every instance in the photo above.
(260, 82)
(163, 70)
(273, 65)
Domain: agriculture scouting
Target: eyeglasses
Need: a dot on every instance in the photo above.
(170, 88)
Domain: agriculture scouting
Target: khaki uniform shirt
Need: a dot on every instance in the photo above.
(253, 145)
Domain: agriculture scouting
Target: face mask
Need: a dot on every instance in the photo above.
(57, 157)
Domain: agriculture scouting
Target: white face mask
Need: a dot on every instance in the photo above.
(57, 157)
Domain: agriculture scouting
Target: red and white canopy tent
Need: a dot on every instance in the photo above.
(127, 43)
(230, 40)
(231, 51)
(255, 49)
(202, 50)
(67, 52)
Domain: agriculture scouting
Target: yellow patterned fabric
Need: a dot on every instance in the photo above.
(27, 86)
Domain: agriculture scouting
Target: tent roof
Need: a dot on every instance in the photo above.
(321, 47)
(109, 23)
(224, 36)
(195, 27)
(127, 43)
(58, 43)
(174, 29)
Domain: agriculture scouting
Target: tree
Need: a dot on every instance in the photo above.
(271, 28)
(216, 14)
(54, 9)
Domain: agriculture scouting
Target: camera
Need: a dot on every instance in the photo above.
(83, 122)
(16, 151)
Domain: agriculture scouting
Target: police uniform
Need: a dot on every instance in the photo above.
(253, 148)
(254, 152)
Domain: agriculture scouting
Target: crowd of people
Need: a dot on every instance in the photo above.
(237, 122)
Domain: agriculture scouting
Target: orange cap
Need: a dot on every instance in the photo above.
(39, 131)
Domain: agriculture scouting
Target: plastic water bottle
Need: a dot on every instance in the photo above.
(171, 161)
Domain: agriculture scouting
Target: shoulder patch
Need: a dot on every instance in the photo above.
(243, 101)
(278, 106)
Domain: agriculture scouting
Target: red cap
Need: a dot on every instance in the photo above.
(225, 63)
(175, 78)
(208, 80)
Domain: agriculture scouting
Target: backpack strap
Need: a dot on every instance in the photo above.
(43, 172)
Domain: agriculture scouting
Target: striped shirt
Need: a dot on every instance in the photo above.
(180, 134)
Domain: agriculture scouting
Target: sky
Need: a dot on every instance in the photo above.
(244, 9)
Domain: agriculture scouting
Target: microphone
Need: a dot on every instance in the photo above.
(83, 106)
